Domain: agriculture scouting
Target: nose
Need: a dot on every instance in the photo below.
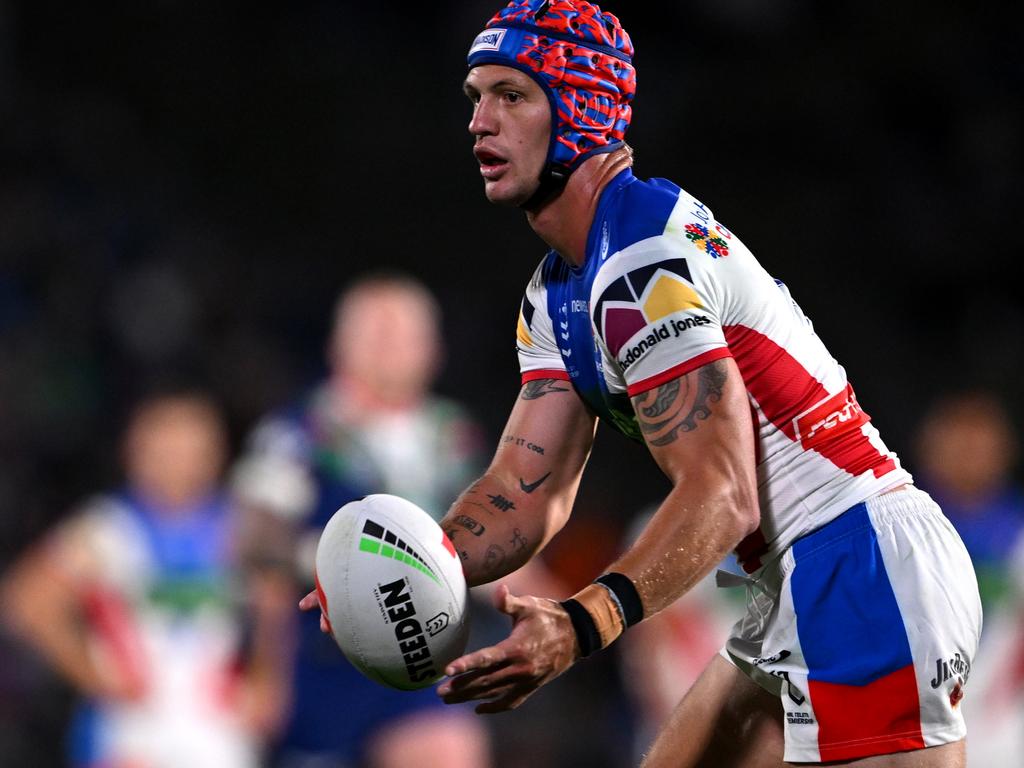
(482, 122)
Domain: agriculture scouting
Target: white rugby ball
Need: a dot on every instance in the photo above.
(392, 589)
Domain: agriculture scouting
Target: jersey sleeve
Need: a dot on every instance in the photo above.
(657, 313)
(539, 357)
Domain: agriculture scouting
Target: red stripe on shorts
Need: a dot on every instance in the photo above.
(879, 718)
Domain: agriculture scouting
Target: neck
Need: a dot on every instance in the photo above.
(564, 222)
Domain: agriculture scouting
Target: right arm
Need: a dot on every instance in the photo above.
(43, 604)
(524, 498)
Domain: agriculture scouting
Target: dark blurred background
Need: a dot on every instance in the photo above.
(184, 189)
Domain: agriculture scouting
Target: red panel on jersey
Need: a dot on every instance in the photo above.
(545, 374)
(875, 719)
(645, 385)
(799, 405)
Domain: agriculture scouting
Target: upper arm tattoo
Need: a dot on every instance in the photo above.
(678, 405)
(540, 387)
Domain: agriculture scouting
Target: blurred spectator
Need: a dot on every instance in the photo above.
(967, 449)
(130, 600)
(371, 427)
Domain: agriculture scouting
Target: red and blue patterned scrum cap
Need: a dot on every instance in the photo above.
(581, 57)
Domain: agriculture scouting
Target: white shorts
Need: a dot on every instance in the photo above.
(866, 629)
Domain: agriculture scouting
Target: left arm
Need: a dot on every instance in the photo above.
(698, 428)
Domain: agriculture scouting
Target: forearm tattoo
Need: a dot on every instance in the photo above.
(494, 558)
(518, 541)
(473, 526)
(522, 442)
(679, 405)
(501, 502)
(540, 387)
(531, 487)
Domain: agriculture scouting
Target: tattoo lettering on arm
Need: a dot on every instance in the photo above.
(540, 387)
(679, 405)
(522, 442)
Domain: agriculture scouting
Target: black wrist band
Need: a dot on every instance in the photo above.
(626, 595)
(584, 626)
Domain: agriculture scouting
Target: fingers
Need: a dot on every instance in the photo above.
(309, 602)
(484, 658)
(501, 594)
(478, 684)
(498, 692)
(511, 699)
(508, 603)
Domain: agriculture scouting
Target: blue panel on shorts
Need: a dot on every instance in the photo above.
(848, 621)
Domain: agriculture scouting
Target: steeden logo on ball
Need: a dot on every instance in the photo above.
(392, 590)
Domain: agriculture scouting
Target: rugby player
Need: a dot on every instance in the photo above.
(648, 312)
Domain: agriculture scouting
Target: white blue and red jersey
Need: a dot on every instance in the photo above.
(864, 614)
(665, 289)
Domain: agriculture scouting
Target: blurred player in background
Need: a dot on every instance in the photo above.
(863, 613)
(968, 448)
(132, 600)
(371, 427)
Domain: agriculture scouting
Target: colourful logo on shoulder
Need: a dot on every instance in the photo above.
(643, 297)
(709, 242)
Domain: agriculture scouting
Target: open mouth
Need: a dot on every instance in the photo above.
(491, 164)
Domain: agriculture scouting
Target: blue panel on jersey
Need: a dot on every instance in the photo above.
(629, 211)
(568, 307)
(848, 621)
(642, 211)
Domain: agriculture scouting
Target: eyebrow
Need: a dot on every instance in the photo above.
(469, 90)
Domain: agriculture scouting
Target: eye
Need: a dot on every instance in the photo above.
(512, 97)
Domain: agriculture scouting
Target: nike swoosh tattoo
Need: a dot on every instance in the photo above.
(531, 487)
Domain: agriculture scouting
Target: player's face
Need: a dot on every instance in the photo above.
(512, 127)
(387, 339)
(174, 451)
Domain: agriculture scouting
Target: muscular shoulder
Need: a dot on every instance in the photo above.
(640, 211)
